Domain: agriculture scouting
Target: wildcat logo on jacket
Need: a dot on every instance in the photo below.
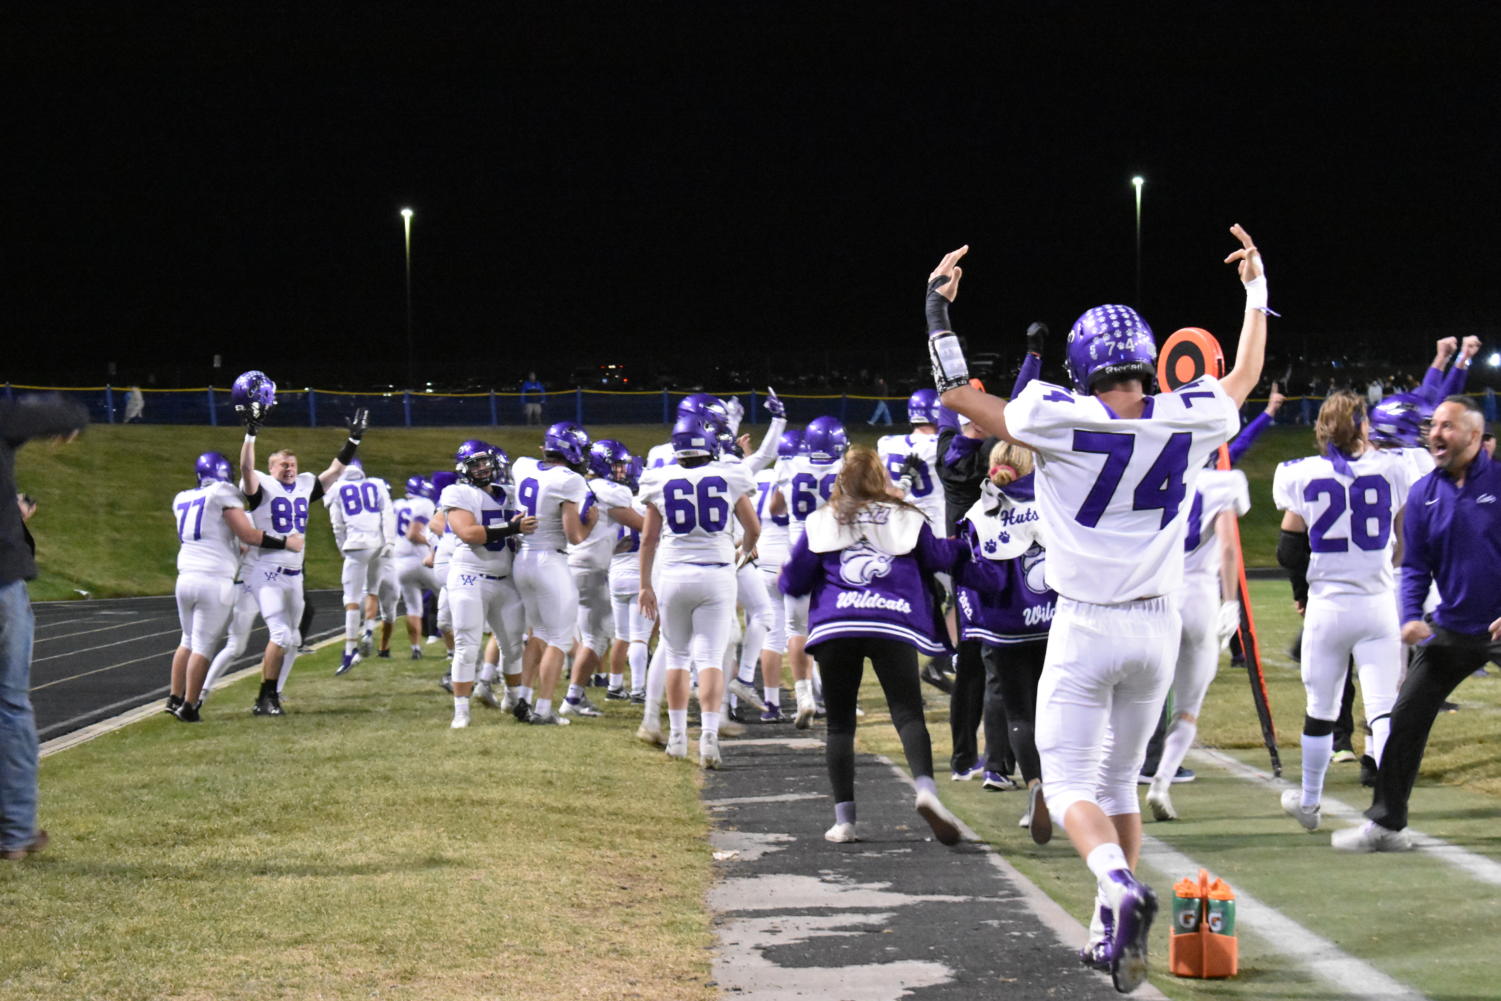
(862, 563)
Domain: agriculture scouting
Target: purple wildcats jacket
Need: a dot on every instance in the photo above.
(998, 576)
(870, 578)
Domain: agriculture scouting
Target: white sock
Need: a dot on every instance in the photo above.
(617, 681)
(369, 627)
(817, 682)
(524, 692)
(804, 690)
(1380, 730)
(635, 656)
(487, 671)
(1317, 752)
(773, 695)
(656, 675)
(351, 629)
(677, 720)
(1180, 737)
(544, 706)
(709, 723)
(461, 705)
(1105, 859)
(574, 692)
(287, 660)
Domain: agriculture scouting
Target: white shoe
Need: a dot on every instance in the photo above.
(650, 732)
(1371, 837)
(841, 834)
(484, 694)
(1160, 801)
(745, 693)
(708, 750)
(805, 711)
(581, 708)
(1308, 816)
(944, 824)
(460, 719)
(364, 646)
(509, 700)
(677, 745)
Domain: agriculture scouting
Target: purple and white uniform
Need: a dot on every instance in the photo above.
(364, 526)
(1117, 491)
(926, 492)
(542, 574)
(590, 560)
(480, 585)
(276, 574)
(804, 485)
(1002, 590)
(207, 558)
(412, 578)
(1198, 598)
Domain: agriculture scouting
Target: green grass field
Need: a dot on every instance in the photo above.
(104, 525)
(371, 852)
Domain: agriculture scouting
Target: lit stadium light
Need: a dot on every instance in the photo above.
(1495, 359)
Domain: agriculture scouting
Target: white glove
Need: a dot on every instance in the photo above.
(1228, 622)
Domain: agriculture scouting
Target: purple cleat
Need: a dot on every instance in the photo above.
(1134, 905)
(772, 714)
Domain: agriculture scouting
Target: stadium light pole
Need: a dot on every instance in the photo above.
(1137, 183)
(406, 225)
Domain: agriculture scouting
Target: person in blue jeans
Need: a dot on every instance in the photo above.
(531, 398)
(20, 421)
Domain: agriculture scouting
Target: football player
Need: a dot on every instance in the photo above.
(771, 553)
(364, 528)
(913, 458)
(1117, 468)
(608, 464)
(553, 492)
(1339, 530)
(279, 503)
(210, 518)
(413, 514)
(689, 507)
(481, 517)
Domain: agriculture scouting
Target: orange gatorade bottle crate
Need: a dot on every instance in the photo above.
(1203, 942)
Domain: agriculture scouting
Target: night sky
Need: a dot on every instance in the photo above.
(685, 186)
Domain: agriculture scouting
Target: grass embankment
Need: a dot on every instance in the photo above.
(359, 848)
(1411, 916)
(104, 523)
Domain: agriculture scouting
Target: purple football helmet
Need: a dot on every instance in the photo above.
(790, 444)
(1398, 420)
(477, 462)
(692, 436)
(213, 467)
(567, 440)
(420, 486)
(606, 456)
(442, 479)
(825, 440)
(921, 406)
(1110, 342)
(709, 408)
(253, 390)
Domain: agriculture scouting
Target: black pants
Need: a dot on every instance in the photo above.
(842, 663)
(1013, 673)
(976, 699)
(1437, 668)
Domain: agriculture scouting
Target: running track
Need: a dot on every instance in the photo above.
(96, 659)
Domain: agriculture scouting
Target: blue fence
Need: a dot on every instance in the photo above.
(329, 408)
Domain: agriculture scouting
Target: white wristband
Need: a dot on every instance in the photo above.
(250, 438)
(1256, 294)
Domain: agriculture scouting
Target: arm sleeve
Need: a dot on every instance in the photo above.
(40, 417)
(253, 501)
(766, 454)
(1417, 575)
(939, 555)
(1248, 435)
(1454, 382)
(1031, 369)
(800, 570)
(1292, 554)
(318, 490)
(1432, 389)
(960, 450)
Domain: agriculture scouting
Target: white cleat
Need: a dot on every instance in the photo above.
(581, 708)
(1160, 801)
(708, 750)
(1371, 837)
(745, 693)
(677, 745)
(944, 824)
(484, 694)
(509, 700)
(1308, 816)
(841, 834)
(460, 719)
(805, 711)
(650, 732)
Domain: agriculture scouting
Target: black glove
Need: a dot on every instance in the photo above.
(1037, 335)
(358, 423)
(910, 466)
(252, 416)
(936, 306)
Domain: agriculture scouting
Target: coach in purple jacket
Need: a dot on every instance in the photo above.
(1451, 535)
(864, 560)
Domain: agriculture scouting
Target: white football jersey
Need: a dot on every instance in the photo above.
(1218, 490)
(1350, 519)
(927, 492)
(360, 512)
(283, 509)
(661, 455)
(772, 548)
(804, 486)
(595, 551)
(408, 510)
(540, 490)
(487, 510)
(208, 545)
(1119, 489)
(697, 506)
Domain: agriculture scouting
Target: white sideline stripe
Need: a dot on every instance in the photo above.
(105, 628)
(1060, 922)
(1478, 867)
(176, 630)
(1346, 975)
(139, 713)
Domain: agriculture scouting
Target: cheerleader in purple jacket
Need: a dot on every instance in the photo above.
(864, 561)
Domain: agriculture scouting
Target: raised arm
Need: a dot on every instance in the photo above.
(1454, 382)
(357, 425)
(767, 453)
(1250, 353)
(249, 481)
(950, 370)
